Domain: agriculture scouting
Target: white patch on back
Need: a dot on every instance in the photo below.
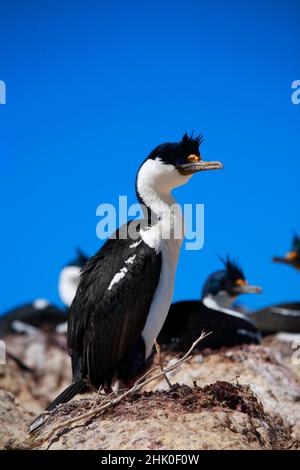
(135, 244)
(285, 311)
(40, 304)
(22, 327)
(117, 277)
(248, 333)
(122, 273)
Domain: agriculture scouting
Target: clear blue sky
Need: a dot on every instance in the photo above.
(93, 86)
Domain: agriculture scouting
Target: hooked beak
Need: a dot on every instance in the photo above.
(194, 167)
(289, 258)
(247, 289)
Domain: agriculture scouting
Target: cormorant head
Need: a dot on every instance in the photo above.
(172, 164)
(69, 278)
(224, 286)
(292, 257)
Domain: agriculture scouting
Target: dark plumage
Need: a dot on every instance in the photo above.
(284, 316)
(276, 318)
(47, 317)
(187, 319)
(40, 313)
(292, 258)
(125, 290)
(224, 280)
(106, 324)
(178, 152)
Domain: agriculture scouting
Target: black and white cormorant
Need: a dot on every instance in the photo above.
(126, 289)
(292, 258)
(283, 317)
(212, 313)
(69, 278)
(41, 314)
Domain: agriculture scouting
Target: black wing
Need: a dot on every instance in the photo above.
(50, 315)
(187, 319)
(280, 317)
(105, 323)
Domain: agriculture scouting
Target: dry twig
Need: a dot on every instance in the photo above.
(161, 364)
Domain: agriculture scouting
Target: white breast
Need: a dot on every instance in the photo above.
(210, 302)
(68, 283)
(162, 298)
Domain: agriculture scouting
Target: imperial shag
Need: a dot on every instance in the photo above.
(126, 289)
(292, 258)
(212, 313)
(285, 316)
(41, 313)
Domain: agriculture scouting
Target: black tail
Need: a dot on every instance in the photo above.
(64, 397)
(68, 394)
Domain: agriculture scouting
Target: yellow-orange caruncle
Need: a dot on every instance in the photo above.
(291, 255)
(193, 158)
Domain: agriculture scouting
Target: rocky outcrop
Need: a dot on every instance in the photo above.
(259, 367)
(14, 419)
(286, 348)
(37, 369)
(247, 397)
(218, 416)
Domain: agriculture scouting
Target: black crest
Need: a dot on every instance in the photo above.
(223, 280)
(296, 244)
(190, 145)
(177, 153)
(80, 260)
(234, 271)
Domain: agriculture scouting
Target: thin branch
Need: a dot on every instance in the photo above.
(138, 386)
(161, 364)
(104, 400)
(149, 372)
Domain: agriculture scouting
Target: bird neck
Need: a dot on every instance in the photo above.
(163, 219)
(218, 301)
(156, 204)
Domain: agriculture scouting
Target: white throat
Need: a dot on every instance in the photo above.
(165, 234)
(219, 301)
(68, 282)
(222, 303)
(155, 182)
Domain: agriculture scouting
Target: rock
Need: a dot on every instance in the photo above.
(286, 347)
(218, 416)
(257, 366)
(246, 397)
(38, 368)
(14, 420)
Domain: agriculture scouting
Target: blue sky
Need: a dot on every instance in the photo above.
(93, 86)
